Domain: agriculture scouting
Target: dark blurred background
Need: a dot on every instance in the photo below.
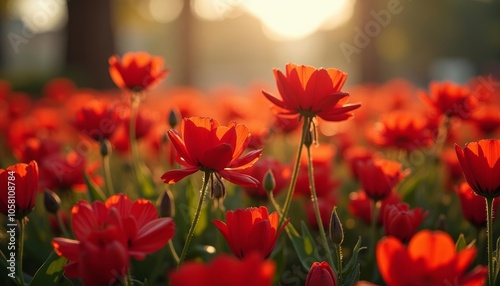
(210, 42)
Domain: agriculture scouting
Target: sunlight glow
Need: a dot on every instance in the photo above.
(40, 16)
(165, 11)
(295, 19)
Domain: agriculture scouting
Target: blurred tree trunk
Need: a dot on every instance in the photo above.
(186, 47)
(90, 41)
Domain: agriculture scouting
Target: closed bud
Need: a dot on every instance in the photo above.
(173, 118)
(309, 138)
(51, 201)
(269, 183)
(166, 204)
(105, 147)
(336, 231)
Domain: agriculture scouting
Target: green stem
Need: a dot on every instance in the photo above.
(22, 228)
(196, 218)
(338, 248)
(373, 227)
(289, 195)
(128, 279)
(107, 171)
(174, 253)
(61, 224)
(134, 107)
(489, 214)
(441, 136)
(314, 199)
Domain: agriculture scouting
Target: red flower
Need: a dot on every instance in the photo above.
(250, 271)
(362, 207)
(402, 129)
(250, 230)
(378, 177)
(473, 206)
(207, 146)
(19, 185)
(137, 71)
(307, 91)
(450, 99)
(321, 274)
(97, 120)
(134, 225)
(63, 172)
(432, 259)
(480, 162)
(401, 222)
(487, 119)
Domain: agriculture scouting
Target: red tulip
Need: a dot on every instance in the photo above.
(137, 71)
(131, 228)
(362, 207)
(250, 230)
(249, 271)
(401, 222)
(480, 162)
(307, 91)
(97, 120)
(207, 146)
(321, 274)
(473, 206)
(378, 177)
(19, 185)
(429, 259)
(450, 99)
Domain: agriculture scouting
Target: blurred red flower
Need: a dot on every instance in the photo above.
(450, 99)
(432, 259)
(321, 274)
(480, 162)
(250, 230)
(307, 91)
(281, 174)
(136, 71)
(473, 206)
(131, 227)
(325, 205)
(402, 222)
(207, 146)
(379, 176)
(486, 119)
(19, 185)
(402, 129)
(249, 271)
(362, 207)
(97, 120)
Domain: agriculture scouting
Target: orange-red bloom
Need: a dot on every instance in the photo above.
(137, 71)
(250, 271)
(480, 162)
(379, 176)
(361, 206)
(473, 206)
(321, 274)
(429, 259)
(18, 185)
(130, 227)
(250, 230)
(97, 120)
(450, 99)
(401, 222)
(307, 91)
(207, 146)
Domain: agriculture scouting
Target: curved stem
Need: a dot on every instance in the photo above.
(174, 253)
(314, 199)
(107, 170)
(442, 134)
(489, 215)
(289, 195)
(61, 224)
(373, 226)
(339, 262)
(134, 107)
(204, 188)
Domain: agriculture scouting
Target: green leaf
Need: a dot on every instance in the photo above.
(50, 272)
(94, 191)
(461, 243)
(352, 271)
(303, 244)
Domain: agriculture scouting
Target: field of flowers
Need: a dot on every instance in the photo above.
(307, 182)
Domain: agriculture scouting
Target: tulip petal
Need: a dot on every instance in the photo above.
(173, 176)
(68, 248)
(239, 178)
(153, 236)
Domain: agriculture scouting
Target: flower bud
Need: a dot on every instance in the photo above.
(336, 231)
(105, 147)
(269, 183)
(166, 204)
(321, 274)
(51, 201)
(173, 118)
